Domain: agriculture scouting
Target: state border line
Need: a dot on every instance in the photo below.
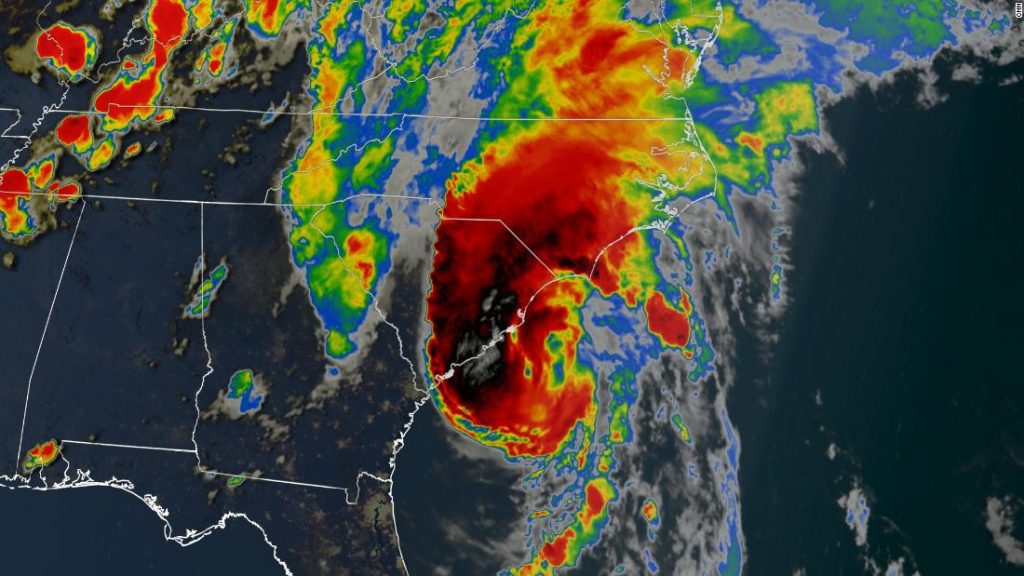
(132, 446)
(273, 480)
(413, 115)
(204, 470)
(87, 197)
(42, 338)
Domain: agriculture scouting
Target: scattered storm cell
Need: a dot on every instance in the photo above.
(20, 188)
(650, 513)
(41, 455)
(241, 388)
(267, 18)
(682, 429)
(69, 51)
(134, 93)
(126, 97)
(211, 60)
(132, 150)
(207, 292)
(16, 219)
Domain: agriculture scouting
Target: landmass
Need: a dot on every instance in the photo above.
(509, 213)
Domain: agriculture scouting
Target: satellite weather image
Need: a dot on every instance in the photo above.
(511, 287)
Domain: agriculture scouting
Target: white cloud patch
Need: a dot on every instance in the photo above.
(999, 521)
(966, 73)
(857, 513)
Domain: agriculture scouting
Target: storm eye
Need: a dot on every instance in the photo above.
(483, 369)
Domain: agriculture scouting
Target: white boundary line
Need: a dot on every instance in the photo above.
(17, 121)
(132, 446)
(274, 480)
(204, 312)
(510, 231)
(87, 197)
(203, 203)
(203, 470)
(46, 326)
(327, 112)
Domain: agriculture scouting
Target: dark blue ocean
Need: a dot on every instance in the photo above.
(100, 531)
(902, 345)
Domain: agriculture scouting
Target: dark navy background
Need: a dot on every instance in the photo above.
(101, 531)
(906, 316)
